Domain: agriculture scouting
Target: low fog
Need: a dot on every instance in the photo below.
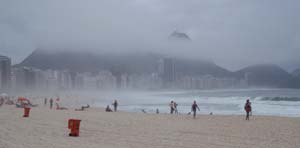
(233, 34)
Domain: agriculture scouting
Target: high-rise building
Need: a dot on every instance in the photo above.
(64, 80)
(168, 70)
(5, 70)
(24, 78)
(161, 67)
(0, 79)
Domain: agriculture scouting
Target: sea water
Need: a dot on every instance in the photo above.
(277, 102)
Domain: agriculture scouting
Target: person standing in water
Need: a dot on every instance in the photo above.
(51, 103)
(248, 108)
(194, 109)
(115, 104)
(157, 111)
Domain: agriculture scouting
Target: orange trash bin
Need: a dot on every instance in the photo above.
(26, 112)
(73, 125)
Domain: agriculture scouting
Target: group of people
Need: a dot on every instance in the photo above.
(173, 108)
(115, 105)
(20, 102)
(6, 100)
(51, 101)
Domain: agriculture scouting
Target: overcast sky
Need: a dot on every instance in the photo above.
(232, 33)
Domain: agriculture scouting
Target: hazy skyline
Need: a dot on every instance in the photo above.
(232, 33)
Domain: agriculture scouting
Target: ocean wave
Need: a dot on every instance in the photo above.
(281, 99)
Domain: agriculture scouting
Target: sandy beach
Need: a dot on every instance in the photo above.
(47, 128)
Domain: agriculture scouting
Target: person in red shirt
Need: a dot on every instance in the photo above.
(247, 108)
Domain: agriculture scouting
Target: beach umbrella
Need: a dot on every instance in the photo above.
(23, 100)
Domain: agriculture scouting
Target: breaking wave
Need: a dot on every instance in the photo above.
(280, 99)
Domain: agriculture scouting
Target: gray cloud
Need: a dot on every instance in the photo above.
(232, 33)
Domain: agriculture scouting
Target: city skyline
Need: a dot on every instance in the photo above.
(22, 78)
(232, 34)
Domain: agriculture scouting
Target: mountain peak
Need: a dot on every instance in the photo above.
(179, 36)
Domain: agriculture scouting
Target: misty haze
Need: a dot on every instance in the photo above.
(163, 68)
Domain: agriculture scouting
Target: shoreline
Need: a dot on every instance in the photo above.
(102, 110)
(207, 114)
(268, 102)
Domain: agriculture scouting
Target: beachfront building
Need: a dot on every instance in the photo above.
(40, 79)
(51, 79)
(5, 73)
(79, 81)
(124, 81)
(90, 81)
(145, 81)
(208, 82)
(166, 69)
(24, 78)
(0, 80)
(106, 80)
(64, 79)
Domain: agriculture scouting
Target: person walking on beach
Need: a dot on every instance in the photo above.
(175, 108)
(51, 103)
(247, 109)
(115, 104)
(45, 102)
(172, 107)
(194, 109)
(250, 113)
